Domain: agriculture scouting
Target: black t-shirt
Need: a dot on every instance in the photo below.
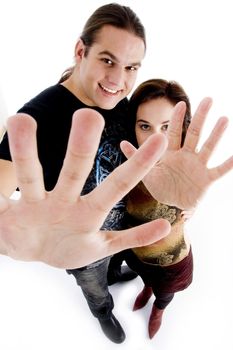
(53, 109)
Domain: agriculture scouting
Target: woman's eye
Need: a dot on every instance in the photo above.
(164, 127)
(144, 127)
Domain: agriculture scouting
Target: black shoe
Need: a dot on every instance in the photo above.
(123, 275)
(112, 329)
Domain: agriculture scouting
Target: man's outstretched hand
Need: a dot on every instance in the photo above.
(62, 228)
(181, 177)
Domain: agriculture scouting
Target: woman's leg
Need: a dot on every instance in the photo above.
(142, 298)
(155, 320)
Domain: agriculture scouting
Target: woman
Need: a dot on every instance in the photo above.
(166, 266)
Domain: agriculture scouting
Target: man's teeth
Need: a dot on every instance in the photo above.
(109, 90)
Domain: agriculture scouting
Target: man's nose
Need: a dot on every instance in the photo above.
(116, 76)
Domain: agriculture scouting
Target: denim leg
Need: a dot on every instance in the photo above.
(115, 263)
(93, 282)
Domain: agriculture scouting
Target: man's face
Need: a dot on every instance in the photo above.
(108, 73)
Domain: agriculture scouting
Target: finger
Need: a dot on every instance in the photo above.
(196, 125)
(176, 126)
(222, 169)
(23, 147)
(87, 126)
(4, 204)
(128, 149)
(126, 176)
(106, 243)
(138, 236)
(212, 141)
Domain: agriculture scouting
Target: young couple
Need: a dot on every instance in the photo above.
(67, 215)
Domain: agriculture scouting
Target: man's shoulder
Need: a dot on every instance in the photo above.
(55, 101)
(47, 98)
(122, 106)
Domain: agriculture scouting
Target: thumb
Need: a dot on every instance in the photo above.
(137, 236)
(128, 149)
(161, 145)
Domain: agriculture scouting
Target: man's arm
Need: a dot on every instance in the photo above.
(62, 228)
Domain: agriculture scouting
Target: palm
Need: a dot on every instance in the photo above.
(182, 177)
(62, 228)
(49, 232)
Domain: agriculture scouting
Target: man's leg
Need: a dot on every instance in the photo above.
(93, 281)
(117, 272)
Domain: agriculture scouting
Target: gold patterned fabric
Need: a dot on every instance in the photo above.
(142, 207)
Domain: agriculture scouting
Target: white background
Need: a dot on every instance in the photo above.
(188, 41)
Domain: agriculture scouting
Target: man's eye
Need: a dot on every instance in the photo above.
(132, 68)
(108, 61)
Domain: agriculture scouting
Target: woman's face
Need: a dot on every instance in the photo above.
(153, 117)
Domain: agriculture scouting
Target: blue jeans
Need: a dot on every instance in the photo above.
(93, 281)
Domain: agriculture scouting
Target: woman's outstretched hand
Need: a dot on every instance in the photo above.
(181, 177)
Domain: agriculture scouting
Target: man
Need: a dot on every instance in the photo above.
(103, 75)
(107, 57)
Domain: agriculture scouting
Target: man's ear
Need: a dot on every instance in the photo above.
(79, 50)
